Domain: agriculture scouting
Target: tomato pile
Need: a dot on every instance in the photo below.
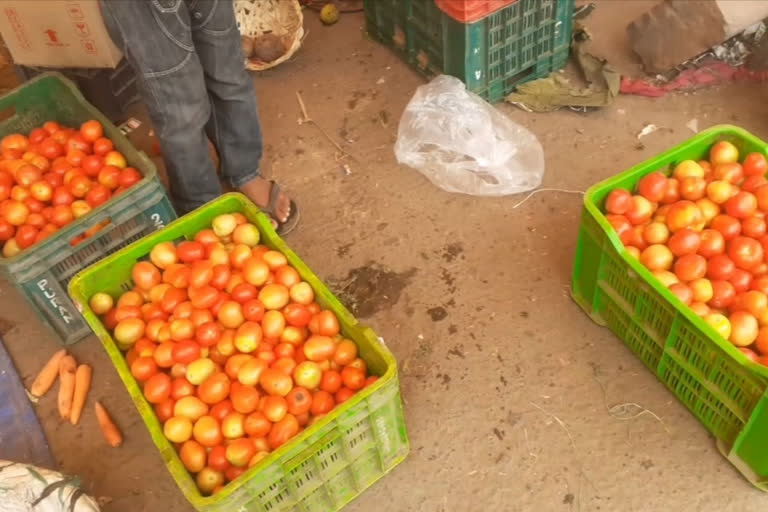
(54, 176)
(229, 345)
(702, 234)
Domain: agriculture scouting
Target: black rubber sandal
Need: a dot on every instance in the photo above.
(283, 228)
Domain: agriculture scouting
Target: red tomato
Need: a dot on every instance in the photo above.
(214, 389)
(745, 252)
(723, 294)
(203, 297)
(91, 131)
(325, 323)
(275, 382)
(109, 176)
(283, 431)
(353, 378)
(742, 205)
(322, 403)
(244, 292)
(754, 164)
(712, 243)
(257, 425)
(618, 202)
(189, 252)
(331, 381)
(145, 275)
(128, 176)
(157, 388)
(343, 395)
(208, 334)
(186, 351)
(221, 410)
(741, 280)
(253, 310)
(26, 236)
(102, 146)
(652, 186)
(728, 226)
(299, 401)
(245, 399)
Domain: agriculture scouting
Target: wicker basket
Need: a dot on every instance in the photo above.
(280, 17)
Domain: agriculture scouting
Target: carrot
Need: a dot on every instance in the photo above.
(47, 375)
(82, 385)
(67, 367)
(108, 428)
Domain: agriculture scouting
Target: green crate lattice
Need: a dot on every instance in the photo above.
(523, 41)
(327, 465)
(718, 384)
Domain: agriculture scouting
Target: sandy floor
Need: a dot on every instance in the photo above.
(483, 382)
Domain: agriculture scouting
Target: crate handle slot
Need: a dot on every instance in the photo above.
(88, 233)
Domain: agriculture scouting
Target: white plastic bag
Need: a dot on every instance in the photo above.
(27, 488)
(463, 144)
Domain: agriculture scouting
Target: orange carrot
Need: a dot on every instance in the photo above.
(67, 367)
(108, 428)
(47, 375)
(82, 385)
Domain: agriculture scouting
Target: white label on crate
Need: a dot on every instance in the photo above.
(159, 224)
(53, 301)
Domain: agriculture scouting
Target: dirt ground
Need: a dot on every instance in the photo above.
(501, 372)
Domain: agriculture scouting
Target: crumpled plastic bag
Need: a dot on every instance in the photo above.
(27, 488)
(463, 144)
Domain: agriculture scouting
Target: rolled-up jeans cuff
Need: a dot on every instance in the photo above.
(242, 180)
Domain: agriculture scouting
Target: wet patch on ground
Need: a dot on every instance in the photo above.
(371, 288)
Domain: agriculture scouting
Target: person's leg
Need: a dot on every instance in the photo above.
(234, 125)
(156, 37)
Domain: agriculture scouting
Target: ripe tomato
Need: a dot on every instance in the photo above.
(97, 195)
(322, 403)
(299, 401)
(214, 389)
(741, 280)
(343, 395)
(687, 268)
(245, 399)
(207, 432)
(745, 252)
(193, 455)
(728, 226)
(177, 429)
(354, 378)
(753, 227)
(164, 410)
(621, 225)
(325, 323)
(618, 202)
(217, 458)
(230, 314)
(164, 355)
(143, 368)
(145, 275)
(26, 235)
(102, 146)
(741, 205)
(244, 292)
(319, 348)
(91, 131)
(190, 407)
(172, 298)
(754, 164)
(681, 290)
(221, 410)
(283, 431)
(181, 387)
(331, 381)
(157, 388)
(253, 310)
(273, 324)
(275, 382)
(302, 293)
(51, 149)
(238, 453)
(249, 372)
(346, 350)
(257, 425)
(744, 328)
(208, 334)
(723, 294)
(712, 243)
(287, 276)
(255, 271)
(186, 351)
(189, 251)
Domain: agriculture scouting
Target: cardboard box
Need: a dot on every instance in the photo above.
(57, 34)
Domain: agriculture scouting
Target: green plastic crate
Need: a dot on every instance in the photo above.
(719, 385)
(42, 271)
(523, 41)
(324, 467)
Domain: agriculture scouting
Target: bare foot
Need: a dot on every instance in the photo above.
(258, 190)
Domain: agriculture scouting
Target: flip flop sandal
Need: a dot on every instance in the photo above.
(283, 228)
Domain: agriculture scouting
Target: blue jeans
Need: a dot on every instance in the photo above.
(190, 67)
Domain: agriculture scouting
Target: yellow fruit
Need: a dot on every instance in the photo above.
(329, 14)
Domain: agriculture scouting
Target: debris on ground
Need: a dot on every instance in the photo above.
(556, 91)
(647, 130)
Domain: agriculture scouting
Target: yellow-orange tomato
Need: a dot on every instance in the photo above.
(207, 432)
(178, 429)
(193, 456)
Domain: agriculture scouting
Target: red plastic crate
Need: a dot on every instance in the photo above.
(468, 11)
